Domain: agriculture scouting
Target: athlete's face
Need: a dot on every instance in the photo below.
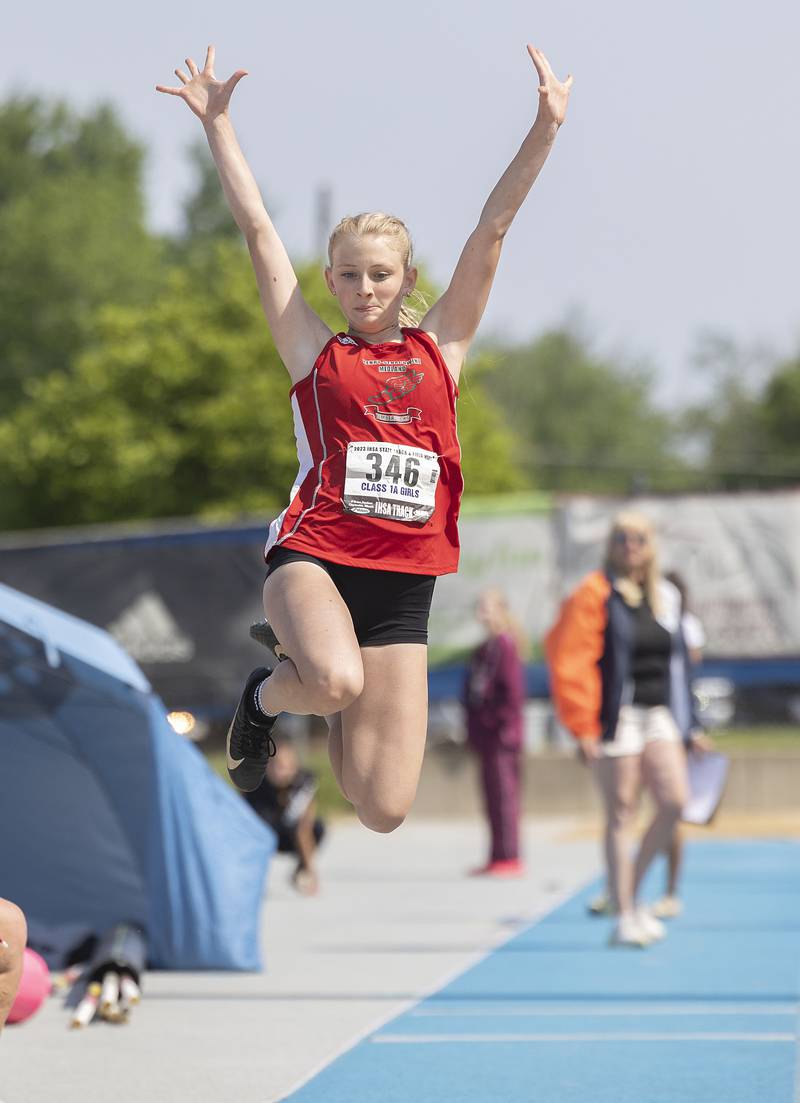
(369, 279)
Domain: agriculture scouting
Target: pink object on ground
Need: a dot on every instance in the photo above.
(34, 986)
(507, 867)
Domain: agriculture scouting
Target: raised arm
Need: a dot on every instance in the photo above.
(298, 332)
(454, 318)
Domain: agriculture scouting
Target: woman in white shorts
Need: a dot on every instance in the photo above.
(619, 678)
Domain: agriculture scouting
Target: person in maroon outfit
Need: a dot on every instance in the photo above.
(494, 696)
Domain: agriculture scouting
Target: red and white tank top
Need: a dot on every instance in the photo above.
(380, 483)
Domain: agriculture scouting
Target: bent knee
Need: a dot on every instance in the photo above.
(13, 926)
(382, 820)
(338, 687)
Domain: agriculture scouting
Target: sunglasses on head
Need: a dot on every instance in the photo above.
(638, 538)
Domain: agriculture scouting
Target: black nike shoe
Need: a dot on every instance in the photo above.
(249, 745)
(262, 633)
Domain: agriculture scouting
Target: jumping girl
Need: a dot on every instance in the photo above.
(372, 516)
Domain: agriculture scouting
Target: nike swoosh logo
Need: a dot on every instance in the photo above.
(233, 763)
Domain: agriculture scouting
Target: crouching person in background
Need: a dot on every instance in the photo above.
(286, 800)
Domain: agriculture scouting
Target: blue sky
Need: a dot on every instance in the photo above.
(668, 207)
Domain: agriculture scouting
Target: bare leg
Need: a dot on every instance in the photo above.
(674, 862)
(619, 778)
(336, 748)
(664, 775)
(383, 734)
(305, 876)
(14, 933)
(323, 672)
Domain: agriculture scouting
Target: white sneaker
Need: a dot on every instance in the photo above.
(599, 905)
(668, 907)
(653, 928)
(628, 931)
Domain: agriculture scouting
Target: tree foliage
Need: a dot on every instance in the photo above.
(746, 432)
(72, 231)
(584, 423)
(206, 214)
(138, 378)
(781, 417)
(175, 407)
(180, 406)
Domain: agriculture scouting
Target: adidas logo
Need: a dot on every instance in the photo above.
(149, 633)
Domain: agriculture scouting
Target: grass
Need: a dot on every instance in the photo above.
(760, 740)
(330, 801)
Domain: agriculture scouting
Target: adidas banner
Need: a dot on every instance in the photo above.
(179, 602)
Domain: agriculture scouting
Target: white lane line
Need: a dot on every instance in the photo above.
(602, 1010)
(700, 1036)
(404, 1006)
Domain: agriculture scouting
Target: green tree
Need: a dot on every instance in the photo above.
(582, 422)
(206, 213)
(180, 407)
(743, 432)
(175, 407)
(72, 231)
(490, 448)
(780, 419)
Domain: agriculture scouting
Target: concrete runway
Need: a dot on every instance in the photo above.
(396, 919)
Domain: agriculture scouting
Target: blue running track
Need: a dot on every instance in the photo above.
(710, 1015)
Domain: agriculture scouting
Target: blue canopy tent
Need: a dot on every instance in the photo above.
(107, 815)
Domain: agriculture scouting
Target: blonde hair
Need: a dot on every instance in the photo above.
(510, 624)
(633, 592)
(377, 223)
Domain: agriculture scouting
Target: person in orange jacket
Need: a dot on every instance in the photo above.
(619, 678)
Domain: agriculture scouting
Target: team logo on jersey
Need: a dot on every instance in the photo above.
(397, 387)
(413, 413)
(345, 340)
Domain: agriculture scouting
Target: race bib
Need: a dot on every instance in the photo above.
(390, 480)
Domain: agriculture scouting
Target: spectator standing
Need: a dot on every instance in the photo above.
(670, 905)
(494, 698)
(619, 676)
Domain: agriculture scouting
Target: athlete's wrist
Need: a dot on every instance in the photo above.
(546, 127)
(219, 125)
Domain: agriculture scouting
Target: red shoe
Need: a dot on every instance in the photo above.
(507, 867)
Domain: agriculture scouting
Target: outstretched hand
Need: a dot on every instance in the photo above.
(553, 93)
(205, 95)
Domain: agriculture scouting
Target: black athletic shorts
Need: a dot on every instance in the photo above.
(386, 606)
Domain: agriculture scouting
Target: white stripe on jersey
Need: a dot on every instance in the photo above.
(306, 461)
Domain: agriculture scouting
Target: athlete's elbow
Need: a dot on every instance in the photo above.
(492, 229)
(254, 229)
